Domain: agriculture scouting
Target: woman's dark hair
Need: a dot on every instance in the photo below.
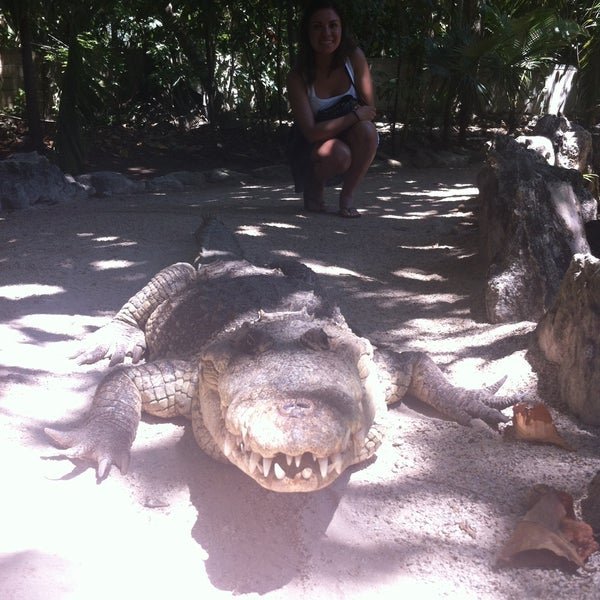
(305, 62)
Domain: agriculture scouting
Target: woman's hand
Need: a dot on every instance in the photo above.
(365, 113)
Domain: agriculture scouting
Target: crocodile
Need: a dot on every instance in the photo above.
(263, 364)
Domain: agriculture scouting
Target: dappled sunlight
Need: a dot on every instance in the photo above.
(250, 230)
(286, 254)
(333, 270)
(459, 192)
(108, 238)
(106, 241)
(434, 246)
(112, 264)
(29, 290)
(39, 338)
(280, 225)
(418, 276)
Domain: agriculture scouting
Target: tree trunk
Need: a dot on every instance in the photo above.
(69, 137)
(21, 14)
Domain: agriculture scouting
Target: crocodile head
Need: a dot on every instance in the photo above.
(289, 400)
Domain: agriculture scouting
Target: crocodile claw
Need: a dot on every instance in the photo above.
(115, 340)
(480, 405)
(86, 443)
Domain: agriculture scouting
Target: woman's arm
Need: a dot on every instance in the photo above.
(362, 77)
(303, 116)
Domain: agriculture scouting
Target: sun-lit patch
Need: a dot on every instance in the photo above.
(413, 215)
(407, 274)
(29, 290)
(335, 271)
(395, 217)
(106, 238)
(431, 247)
(286, 253)
(281, 225)
(250, 230)
(114, 241)
(457, 194)
(74, 325)
(107, 265)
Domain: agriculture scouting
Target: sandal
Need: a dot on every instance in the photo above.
(348, 212)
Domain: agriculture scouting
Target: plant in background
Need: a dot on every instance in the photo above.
(588, 100)
(493, 66)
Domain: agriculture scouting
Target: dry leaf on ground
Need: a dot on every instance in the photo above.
(534, 424)
(549, 535)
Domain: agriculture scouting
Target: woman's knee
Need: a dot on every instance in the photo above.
(335, 156)
(364, 135)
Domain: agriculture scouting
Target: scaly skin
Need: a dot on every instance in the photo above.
(271, 376)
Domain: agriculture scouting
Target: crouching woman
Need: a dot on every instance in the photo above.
(331, 96)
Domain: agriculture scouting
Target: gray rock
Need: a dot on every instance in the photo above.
(178, 180)
(30, 178)
(572, 143)
(109, 183)
(164, 183)
(567, 337)
(225, 176)
(540, 144)
(531, 219)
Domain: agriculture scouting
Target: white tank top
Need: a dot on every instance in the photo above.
(318, 104)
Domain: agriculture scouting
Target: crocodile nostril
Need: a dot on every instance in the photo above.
(296, 408)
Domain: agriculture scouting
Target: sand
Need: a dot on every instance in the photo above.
(425, 519)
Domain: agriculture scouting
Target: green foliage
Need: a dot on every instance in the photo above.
(589, 80)
(218, 61)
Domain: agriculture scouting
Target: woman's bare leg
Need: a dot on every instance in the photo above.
(362, 140)
(331, 158)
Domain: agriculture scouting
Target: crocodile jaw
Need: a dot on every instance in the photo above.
(286, 473)
(291, 419)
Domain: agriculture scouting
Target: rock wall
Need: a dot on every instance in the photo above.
(569, 337)
(28, 179)
(531, 219)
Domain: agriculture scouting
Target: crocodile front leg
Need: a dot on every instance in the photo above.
(415, 374)
(124, 334)
(161, 388)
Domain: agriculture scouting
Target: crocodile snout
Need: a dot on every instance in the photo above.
(296, 408)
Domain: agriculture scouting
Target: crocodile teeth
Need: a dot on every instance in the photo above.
(336, 462)
(297, 460)
(267, 466)
(346, 440)
(288, 460)
(278, 471)
(245, 434)
(364, 366)
(323, 464)
(227, 445)
(307, 473)
(253, 462)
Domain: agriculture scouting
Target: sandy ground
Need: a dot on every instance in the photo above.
(426, 519)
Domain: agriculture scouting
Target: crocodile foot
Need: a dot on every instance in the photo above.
(101, 446)
(115, 340)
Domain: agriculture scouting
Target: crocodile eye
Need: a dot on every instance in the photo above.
(255, 341)
(315, 339)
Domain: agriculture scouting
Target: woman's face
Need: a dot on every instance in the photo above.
(325, 31)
